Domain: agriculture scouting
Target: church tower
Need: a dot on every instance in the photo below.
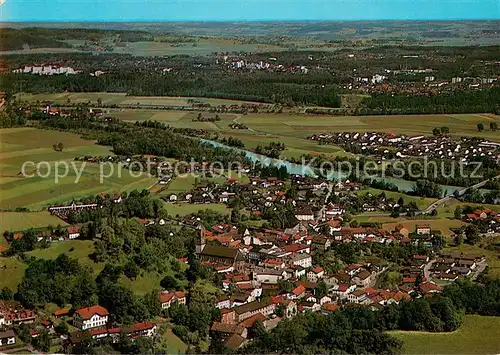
(201, 241)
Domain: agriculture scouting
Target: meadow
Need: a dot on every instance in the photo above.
(444, 225)
(475, 336)
(421, 202)
(124, 99)
(289, 127)
(20, 145)
(17, 221)
(294, 129)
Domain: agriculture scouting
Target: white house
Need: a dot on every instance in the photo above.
(73, 232)
(315, 274)
(304, 260)
(343, 290)
(169, 298)
(7, 338)
(91, 317)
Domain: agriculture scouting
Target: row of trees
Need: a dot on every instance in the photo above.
(360, 330)
(456, 101)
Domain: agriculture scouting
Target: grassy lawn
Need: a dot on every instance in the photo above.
(443, 225)
(422, 202)
(123, 98)
(447, 210)
(475, 336)
(20, 145)
(15, 221)
(11, 272)
(183, 209)
(148, 281)
(78, 249)
(170, 342)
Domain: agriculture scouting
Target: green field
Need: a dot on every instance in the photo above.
(447, 210)
(290, 127)
(169, 342)
(422, 202)
(123, 98)
(475, 336)
(294, 129)
(11, 272)
(183, 209)
(16, 221)
(78, 249)
(443, 225)
(20, 145)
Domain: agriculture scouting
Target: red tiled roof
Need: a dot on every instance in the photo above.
(143, 326)
(330, 307)
(73, 230)
(297, 291)
(247, 323)
(342, 288)
(87, 313)
(317, 270)
(273, 261)
(294, 247)
(98, 331)
(167, 297)
(61, 312)
(370, 291)
(276, 299)
(429, 286)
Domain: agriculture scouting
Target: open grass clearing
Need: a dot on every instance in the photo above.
(169, 342)
(78, 249)
(35, 145)
(16, 221)
(444, 225)
(183, 209)
(11, 272)
(475, 336)
(447, 210)
(422, 202)
(122, 98)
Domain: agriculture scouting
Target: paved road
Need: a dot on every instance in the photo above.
(439, 202)
(427, 268)
(479, 269)
(320, 213)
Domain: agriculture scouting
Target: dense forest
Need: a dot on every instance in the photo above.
(458, 101)
(37, 37)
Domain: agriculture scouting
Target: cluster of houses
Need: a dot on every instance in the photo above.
(450, 266)
(487, 220)
(261, 193)
(388, 145)
(12, 314)
(71, 232)
(239, 62)
(93, 322)
(88, 323)
(46, 70)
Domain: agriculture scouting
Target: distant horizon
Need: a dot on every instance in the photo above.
(239, 21)
(97, 11)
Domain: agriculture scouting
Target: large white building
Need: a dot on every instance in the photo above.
(91, 317)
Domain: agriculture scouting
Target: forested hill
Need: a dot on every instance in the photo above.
(38, 37)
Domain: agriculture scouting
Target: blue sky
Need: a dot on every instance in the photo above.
(227, 10)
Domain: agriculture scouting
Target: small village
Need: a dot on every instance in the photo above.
(267, 274)
(390, 146)
(226, 185)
